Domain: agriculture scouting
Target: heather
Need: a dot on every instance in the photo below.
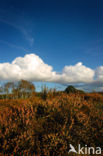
(47, 122)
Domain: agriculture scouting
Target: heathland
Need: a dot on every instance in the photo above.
(45, 123)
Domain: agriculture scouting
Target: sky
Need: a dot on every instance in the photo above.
(57, 42)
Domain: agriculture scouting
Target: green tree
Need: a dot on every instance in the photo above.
(71, 89)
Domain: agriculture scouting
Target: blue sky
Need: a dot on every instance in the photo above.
(60, 32)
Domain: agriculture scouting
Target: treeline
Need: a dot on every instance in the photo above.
(16, 90)
(25, 89)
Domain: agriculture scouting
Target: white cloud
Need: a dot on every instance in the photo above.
(99, 74)
(9, 71)
(77, 73)
(31, 67)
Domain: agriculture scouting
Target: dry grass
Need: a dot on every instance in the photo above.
(47, 127)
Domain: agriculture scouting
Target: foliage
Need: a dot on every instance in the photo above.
(44, 92)
(71, 89)
(36, 126)
(21, 89)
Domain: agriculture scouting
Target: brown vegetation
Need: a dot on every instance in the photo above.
(46, 127)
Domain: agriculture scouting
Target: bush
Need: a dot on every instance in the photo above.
(70, 89)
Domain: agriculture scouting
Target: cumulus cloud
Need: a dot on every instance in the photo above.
(77, 74)
(99, 74)
(31, 67)
(9, 71)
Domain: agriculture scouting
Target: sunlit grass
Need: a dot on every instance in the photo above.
(36, 126)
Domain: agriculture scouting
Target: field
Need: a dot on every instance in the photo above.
(46, 127)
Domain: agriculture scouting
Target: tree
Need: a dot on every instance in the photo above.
(1, 92)
(25, 88)
(71, 89)
(8, 88)
(15, 93)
